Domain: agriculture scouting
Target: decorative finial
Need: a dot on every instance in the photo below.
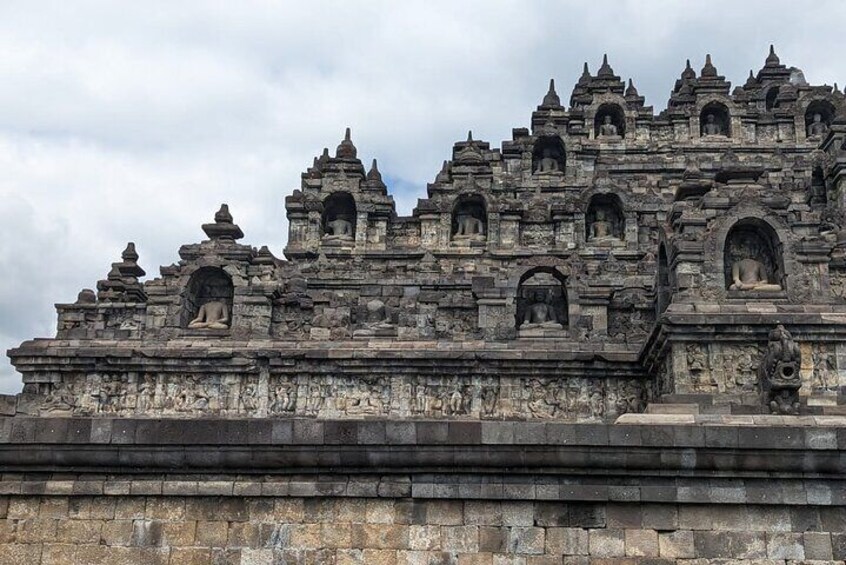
(129, 254)
(346, 150)
(605, 70)
(585, 74)
(373, 175)
(750, 81)
(443, 175)
(469, 136)
(223, 226)
(223, 216)
(631, 91)
(708, 70)
(688, 72)
(551, 98)
(772, 58)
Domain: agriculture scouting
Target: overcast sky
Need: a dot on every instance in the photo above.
(133, 121)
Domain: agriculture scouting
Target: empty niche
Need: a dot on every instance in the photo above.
(818, 118)
(818, 194)
(604, 219)
(610, 121)
(207, 300)
(771, 98)
(548, 155)
(714, 120)
(542, 299)
(752, 257)
(469, 218)
(338, 220)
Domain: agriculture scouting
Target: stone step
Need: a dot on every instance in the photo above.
(654, 408)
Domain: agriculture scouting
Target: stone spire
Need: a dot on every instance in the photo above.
(585, 74)
(374, 177)
(709, 70)
(605, 71)
(631, 91)
(688, 73)
(469, 136)
(750, 81)
(346, 150)
(443, 175)
(223, 227)
(632, 96)
(551, 100)
(121, 284)
(772, 58)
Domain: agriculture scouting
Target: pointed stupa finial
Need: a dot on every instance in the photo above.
(688, 73)
(750, 80)
(129, 254)
(709, 70)
(346, 150)
(585, 74)
(469, 136)
(373, 175)
(631, 91)
(551, 98)
(223, 226)
(772, 58)
(605, 70)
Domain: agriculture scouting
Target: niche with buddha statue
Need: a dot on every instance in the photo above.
(714, 120)
(541, 303)
(469, 219)
(548, 156)
(818, 118)
(604, 220)
(207, 300)
(753, 258)
(609, 122)
(338, 219)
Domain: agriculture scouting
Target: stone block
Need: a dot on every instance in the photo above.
(568, 541)
(817, 546)
(527, 540)
(641, 543)
(785, 545)
(608, 542)
(460, 539)
(676, 545)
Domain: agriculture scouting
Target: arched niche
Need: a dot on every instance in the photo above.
(542, 300)
(663, 290)
(604, 219)
(207, 296)
(338, 220)
(818, 194)
(548, 155)
(469, 218)
(752, 258)
(771, 98)
(714, 120)
(818, 118)
(610, 121)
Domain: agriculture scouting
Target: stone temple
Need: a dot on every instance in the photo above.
(620, 337)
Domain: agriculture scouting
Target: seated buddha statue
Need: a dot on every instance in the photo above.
(469, 227)
(712, 127)
(817, 128)
(340, 228)
(540, 314)
(213, 315)
(751, 274)
(607, 129)
(601, 228)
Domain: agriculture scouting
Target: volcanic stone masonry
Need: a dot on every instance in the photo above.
(618, 338)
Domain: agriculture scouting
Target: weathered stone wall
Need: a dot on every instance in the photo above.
(223, 530)
(681, 489)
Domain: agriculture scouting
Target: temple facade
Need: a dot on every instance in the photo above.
(621, 335)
